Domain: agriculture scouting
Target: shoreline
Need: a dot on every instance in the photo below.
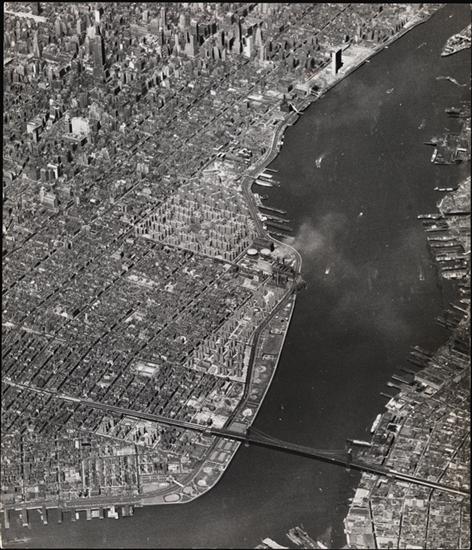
(248, 181)
(272, 154)
(359, 522)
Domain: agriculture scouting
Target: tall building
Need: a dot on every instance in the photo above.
(36, 48)
(336, 60)
(163, 18)
(98, 15)
(98, 55)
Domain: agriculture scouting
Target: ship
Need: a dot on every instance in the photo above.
(300, 537)
(359, 442)
(18, 540)
(453, 111)
(421, 276)
(375, 423)
(428, 216)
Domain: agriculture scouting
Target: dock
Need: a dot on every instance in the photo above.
(272, 209)
(279, 235)
(280, 226)
(271, 217)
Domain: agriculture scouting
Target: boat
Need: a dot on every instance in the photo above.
(390, 90)
(328, 269)
(360, 442)
(318, 161)
(18, 540)
(376, 423)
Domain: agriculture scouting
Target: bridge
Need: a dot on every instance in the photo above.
(251, 437)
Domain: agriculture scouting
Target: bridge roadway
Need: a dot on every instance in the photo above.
(262, 440)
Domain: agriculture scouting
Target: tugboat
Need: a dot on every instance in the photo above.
(453, 111)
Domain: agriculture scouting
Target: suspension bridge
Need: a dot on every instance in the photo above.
(252, 436)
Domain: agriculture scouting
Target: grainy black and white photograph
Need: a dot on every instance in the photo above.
(236, 275)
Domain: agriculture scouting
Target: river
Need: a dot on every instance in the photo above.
(355, 217)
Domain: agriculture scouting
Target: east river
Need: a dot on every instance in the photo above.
(372, 294)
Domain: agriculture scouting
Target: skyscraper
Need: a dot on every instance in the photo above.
(98, 55)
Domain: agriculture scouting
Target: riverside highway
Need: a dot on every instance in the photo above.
(336, 458)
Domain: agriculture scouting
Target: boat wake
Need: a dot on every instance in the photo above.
(453, 80)
(319, 160)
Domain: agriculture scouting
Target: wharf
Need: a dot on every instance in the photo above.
(279, 226)
(272, 209)
(272, 181)
(271, 217)
(279, 235)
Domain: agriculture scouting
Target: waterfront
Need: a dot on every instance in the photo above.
(352, 328)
